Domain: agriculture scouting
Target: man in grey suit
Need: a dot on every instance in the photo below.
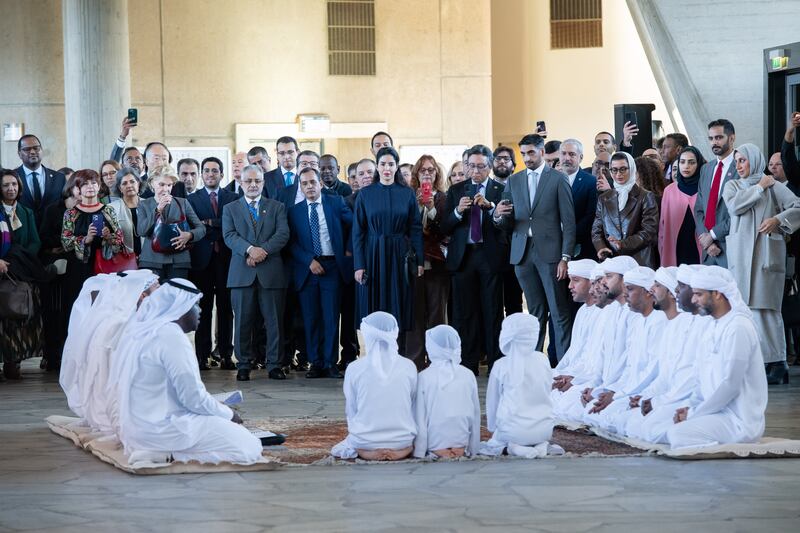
(538, 208)
(256, 230)
(712, 221)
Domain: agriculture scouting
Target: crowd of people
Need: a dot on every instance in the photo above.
(290, 260)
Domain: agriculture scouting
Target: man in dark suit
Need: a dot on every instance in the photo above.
(255, 229)
(584, 197)
(41, 186)
(285, 173)
(257, 155)
(238, 162)
(539, 211)
(119, 149)
(476, 255)
(329, 172)
(210, 264)
(319, 226)
(712, 220)
(502, 167)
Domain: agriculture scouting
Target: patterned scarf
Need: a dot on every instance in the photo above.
(5, 234)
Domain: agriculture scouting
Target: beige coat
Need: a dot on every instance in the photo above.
(758, 261)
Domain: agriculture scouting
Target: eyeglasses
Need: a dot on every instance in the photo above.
(473, 166)
(427, 170)
(306, 164)
(503, 159)
(620, 170)
(28, 149)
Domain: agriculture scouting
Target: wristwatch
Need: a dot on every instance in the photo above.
(566, 258)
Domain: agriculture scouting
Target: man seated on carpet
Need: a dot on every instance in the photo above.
(448, 411)
(652, 411)
(379, 391)
(608, 343)
(580, 284)
(164, 409)
(730, 395)
(519, 410)
(645, 333)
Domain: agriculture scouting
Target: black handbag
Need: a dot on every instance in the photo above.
(16, 299)
(164, 232)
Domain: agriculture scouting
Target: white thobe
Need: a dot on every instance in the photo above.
(603, 361)
(681, 343)
(639, 370)
(447, 416)
(380, 412)
(520, 414)
(166, 408)
(730, 394)
(582, 326)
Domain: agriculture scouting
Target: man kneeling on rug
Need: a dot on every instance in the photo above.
(379, 394)
(165, 411)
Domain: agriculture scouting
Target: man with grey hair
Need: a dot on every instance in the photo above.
(584, 197)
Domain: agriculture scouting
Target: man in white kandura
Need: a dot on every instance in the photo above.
(164, 408)
(609, 342)
(730, 395)
(448, 411)
(104, 332)
(74, 353)
(611, 398)
(379, 392)
(652, 411)
(572, 364)
(519, 410)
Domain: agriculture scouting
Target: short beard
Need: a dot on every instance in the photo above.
(502, 172)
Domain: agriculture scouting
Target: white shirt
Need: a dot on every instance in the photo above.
(521, 414)
(380, 413)
(29, 179)
(726, 164)
(533, 180)
(580, 343)
(640, 356)
(571, 178)
(324, 234)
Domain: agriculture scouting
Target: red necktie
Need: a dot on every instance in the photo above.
(713, 196)
(215, 208)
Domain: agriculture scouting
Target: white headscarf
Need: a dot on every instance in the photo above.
(618, 264)
(74, 352)
(597, 273)
(380, 332)
(624, 189)
(167, 304)
(518, 337)
(667, 276)
(685, 273)
(581, 268)
(716, 278)
(444, 350)
(640, 276)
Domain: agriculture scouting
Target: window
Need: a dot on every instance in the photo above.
(351, 37)
(576, 24)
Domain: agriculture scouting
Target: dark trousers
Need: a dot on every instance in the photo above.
(348, 337)
(171, 272)
(320, 300)
(247, 302)
(477, 307)
(431, 293)
(512, 292)
(212, 283)
(294, 340)
(542, 292)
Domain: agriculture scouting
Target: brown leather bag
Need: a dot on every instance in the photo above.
(16, 298)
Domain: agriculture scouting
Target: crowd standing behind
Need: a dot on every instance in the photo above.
(292, 258)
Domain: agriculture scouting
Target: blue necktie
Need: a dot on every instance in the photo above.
(288, 178)
(253, 210)
(313, 220)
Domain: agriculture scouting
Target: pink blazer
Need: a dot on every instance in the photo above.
(673, 210)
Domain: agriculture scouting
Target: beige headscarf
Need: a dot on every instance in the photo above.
(757, 162)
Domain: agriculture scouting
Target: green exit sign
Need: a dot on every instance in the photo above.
(780, 63)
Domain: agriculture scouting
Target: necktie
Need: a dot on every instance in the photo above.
(37, 190)
(475, 232)
(253, 214)
(288, 178)
(313, 220)
(534, 183)
(215, 208)
(713, 196)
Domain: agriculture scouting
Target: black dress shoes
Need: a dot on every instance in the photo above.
(203, 364)
(243, 375)
(227, 364)
(777, 373)
(334, 373)
(316, 372)
(277, 373)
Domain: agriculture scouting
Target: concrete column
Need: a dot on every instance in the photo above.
(97, 83)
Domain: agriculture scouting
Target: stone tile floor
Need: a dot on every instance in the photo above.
(48, 484)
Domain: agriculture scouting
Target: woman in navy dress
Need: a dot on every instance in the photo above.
(387, 244)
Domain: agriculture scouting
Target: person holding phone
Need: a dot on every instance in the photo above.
(89, 227)
(433, 289)
(166, 209)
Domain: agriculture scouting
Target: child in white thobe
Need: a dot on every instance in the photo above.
(448, 410)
